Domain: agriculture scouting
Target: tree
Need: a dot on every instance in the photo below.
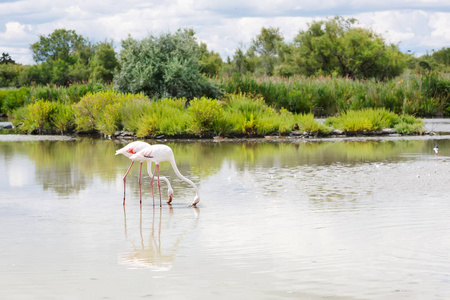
(243, 62)
(442, 56)
(335, 46)
(264, 46)
(163, 66)
(6, 59)
(104, 62)
(210, 61)
(61, 44)
(286, 66)
(66, 53)
(9, 71)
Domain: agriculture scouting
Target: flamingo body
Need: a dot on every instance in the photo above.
(158, 154)
(129, 150)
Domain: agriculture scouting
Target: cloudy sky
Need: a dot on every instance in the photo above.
(416, 25)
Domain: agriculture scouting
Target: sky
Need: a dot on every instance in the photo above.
(419, 26)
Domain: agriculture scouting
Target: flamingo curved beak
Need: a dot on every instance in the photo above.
(170, 199)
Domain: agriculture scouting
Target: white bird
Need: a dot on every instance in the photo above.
(158, 154)
(131, 149)
(436, 149)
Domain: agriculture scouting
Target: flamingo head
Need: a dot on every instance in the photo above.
(170, 192)
(196, 200)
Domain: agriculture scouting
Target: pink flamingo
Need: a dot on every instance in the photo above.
(129, 150)
(157, 154)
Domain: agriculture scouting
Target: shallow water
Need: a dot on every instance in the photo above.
(296, 219)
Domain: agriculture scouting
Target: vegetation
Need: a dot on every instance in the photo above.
(174, 86)
(420, 95)
(373, 120)
(236, 116)
(163, 67)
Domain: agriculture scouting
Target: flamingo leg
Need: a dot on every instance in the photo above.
(159, 186)
(124, 180)
(151, 181)
(140, 189)
(153, 177)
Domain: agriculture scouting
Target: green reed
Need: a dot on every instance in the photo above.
(424, 94)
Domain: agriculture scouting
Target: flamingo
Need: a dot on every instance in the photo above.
(157, 154)
(128, 151)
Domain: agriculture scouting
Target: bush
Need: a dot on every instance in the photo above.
(40, 113)
(205, 113)
(166, 116)
(100, 111)
(163, 66)
(63, 117)
(35, 116)
(365, 120)
(21, 119)
(408, 125)
(12, 99)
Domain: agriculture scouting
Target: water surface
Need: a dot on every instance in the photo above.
(296, 219)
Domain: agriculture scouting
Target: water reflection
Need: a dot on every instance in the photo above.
(157, 252)
(68, 167)
(344, 219)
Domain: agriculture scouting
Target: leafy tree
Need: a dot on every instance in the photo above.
(264, 46)
(442, 56)
(243, 62)
(9, 75)
(66, 53)
(210, 62)
(335, 46)
(286, 66)
(163, 66)
(36, 74)
(104, 62)
(6, 59)
(61, 44)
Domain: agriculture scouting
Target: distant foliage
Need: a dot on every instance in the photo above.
(103, 63)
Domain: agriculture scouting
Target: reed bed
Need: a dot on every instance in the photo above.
(424, 95)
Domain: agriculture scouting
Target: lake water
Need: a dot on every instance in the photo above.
(361, 218)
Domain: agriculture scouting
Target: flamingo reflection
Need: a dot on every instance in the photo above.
(154, 254)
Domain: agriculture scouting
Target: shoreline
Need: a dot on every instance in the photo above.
(435, 129)
(269, 139)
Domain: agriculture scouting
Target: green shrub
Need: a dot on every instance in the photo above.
(166, 116)
(100, 111)
(21, 120)
(12, 99)
(407, 128)
(41, 112)
(205, 113)
(63, 117)
(307, 123)
(364, 120)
